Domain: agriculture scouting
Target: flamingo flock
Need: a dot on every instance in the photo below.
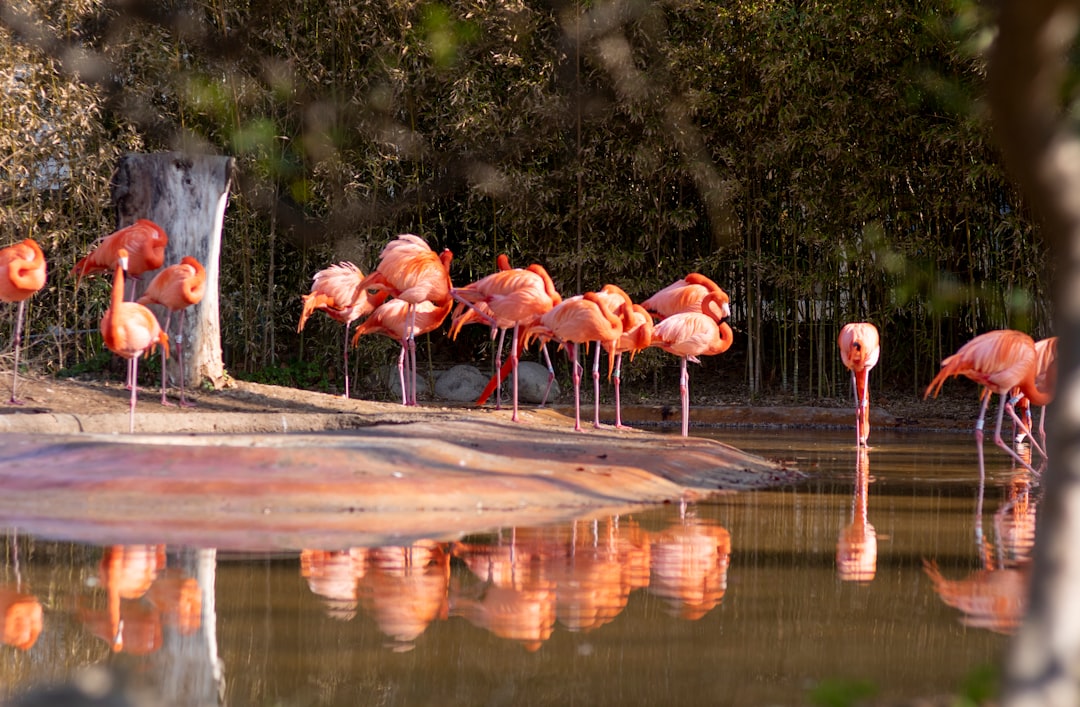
(410, 292)
(413, 294)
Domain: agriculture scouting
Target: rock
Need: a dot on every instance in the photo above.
(392, 382)
(532, 380)
(461, 384)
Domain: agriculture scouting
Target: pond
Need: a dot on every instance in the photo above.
(876, 576)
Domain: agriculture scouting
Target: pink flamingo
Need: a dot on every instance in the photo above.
(176, 288)
(999, 361)
(22, 273)
(411, 271)
(130, 330)
(692, 334)
(336, 291)
(859, 350)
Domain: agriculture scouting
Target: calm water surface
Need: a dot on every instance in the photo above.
(870, 571)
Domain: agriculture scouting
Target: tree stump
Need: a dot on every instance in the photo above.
(186, 195)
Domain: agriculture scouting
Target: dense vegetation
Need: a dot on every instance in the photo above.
(824, 162)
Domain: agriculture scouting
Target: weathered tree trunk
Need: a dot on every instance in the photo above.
(186, 195)
(1027, 73)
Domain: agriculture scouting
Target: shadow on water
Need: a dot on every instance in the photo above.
(876, 569)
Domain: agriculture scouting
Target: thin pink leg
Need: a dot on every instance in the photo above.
(401, 374)
(346, 359)
(164, 386)
(997, 433)
(684, 398)
(184, 402)
(498, 367)
(551, 374)
(576, 373)
(514, 365)
(618, 400)
(18, 340)
(596, 386)
(133, 367)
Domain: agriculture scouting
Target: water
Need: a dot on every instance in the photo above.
(754, 598)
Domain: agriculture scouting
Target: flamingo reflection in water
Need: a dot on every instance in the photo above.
(142, 596)
(20, 610)
(404, 589)
(333, 576)
(856, 548)
(689, 566)
(602, 564)
(994, 597)
(513, 599)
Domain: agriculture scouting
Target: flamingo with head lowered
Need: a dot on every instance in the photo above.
(860, 349)
(22, 273)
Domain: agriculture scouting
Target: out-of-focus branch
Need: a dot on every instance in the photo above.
(1026, 76)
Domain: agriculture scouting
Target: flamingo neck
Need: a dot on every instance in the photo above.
(1032, 392)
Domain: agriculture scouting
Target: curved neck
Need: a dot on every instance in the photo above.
(1032, 392)
(715, 305)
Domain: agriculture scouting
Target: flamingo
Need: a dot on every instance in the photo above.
(22, 273)
(392, 318)
(683, 295)
(335, 290)
(1045, 380)
(692, 334)
(144, 241)
(176, 288)
(634, 338)
(581, 319)
(998, 360)
(860, 350)
(130, 330)
(411, 271)
(506, 299)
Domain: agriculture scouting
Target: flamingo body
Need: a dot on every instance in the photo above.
(22, 273)
(998, 360)
(176, 288)
(692, 334)
(144, 241)
(860, 348)
(130, 330)
(336, 291)
(684, 295)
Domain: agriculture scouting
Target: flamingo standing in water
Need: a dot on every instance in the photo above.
(336, 291)
(692, 334)
(22, 273)
(860, 349)
(1000, 361)
(634, 338)
(506, 299)
(1045, 380)
(144, 242)
(130, 330)
(409, 270)
(392, 318)
(176, 288)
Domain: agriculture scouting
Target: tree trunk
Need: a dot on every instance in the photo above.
(186, 195)
(1026, 79)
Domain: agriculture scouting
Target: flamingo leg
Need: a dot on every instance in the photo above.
(858, 410)
(184, 402)
(164, 369)
(551, 373)
(498, 367)
(346, 360)
(596, 386)
(576, 374)
(133, 368)
(411, 329)
(18, 340)
(618, 401)
(997, 432)
(401, 373)
(514, 364)
(684, 397)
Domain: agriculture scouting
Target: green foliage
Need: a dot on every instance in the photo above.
(842, 693)
(824, 162)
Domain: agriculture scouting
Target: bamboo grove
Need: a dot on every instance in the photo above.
(824, 162)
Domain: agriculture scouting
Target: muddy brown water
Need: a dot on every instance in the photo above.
(864, 578)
